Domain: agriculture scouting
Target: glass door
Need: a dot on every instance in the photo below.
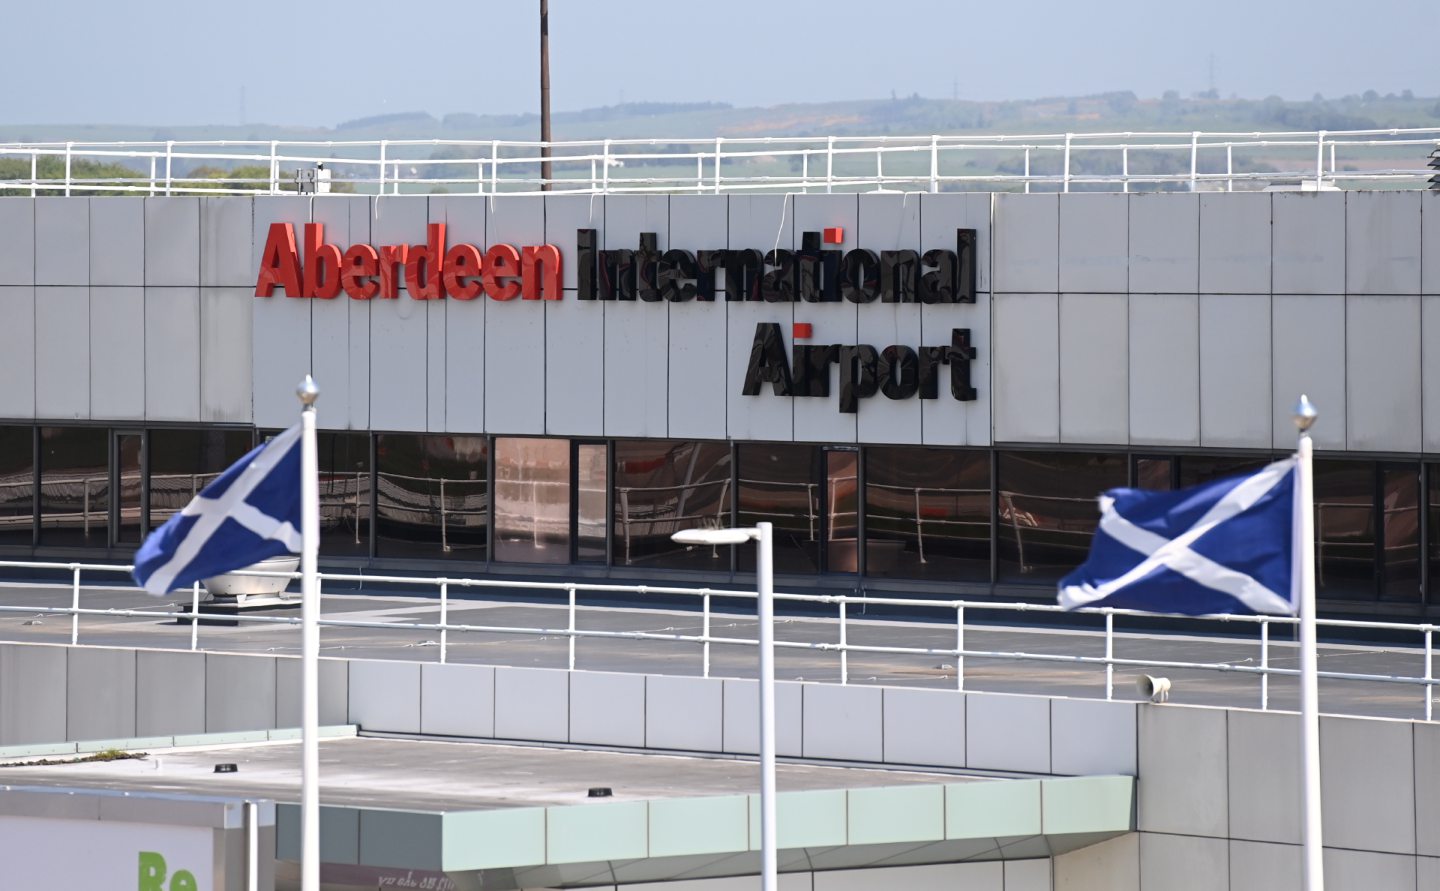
(842, 510)
(128, 469)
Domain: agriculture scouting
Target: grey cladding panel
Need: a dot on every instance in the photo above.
(1026, 373)
(1309, 339)
(239, 693)
(1309, 242)
(941, 214)
(225, 354)
(100, 693)
(226, 230)
(1382, 369)
(17, 351)
(172, 242)
(1235, 384)
(637, 334)
(1164, 242)
(1094, 368)
(17, 233)
(1094, 251)
(1382, 242)
(1430, 370)
(563, 215)
(32, 694)
(514, 331)
(817, 419)
(888, 222)
(1165, 369)
(1430, 242)
(765, 415)
(1235, 243)
(338, 325)
(280, 324)
(575, 366)
(117, 354)
(697, 392)
(117, 247)
(170, 693)
(1026, 243)
(62, 353)
(172, 355)
(399, 328)
(62, 241)
(945, 421)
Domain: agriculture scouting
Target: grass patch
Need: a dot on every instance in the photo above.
(106, 755)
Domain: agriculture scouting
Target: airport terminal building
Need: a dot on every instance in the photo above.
(923, 392)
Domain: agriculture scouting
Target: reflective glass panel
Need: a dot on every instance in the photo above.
(927, 513)
(432, 495)
(1345, 530)
(532, 500)
(662, 487)
(1433, 533)
(1047, 510)
(1400, 504)
(842, 510)
(782, 484)
(591, 471)
(131, 485)
(182, 462)
(1197, 469)
(1153, 473)
(74, 486)
(17, 486)
(344, 494)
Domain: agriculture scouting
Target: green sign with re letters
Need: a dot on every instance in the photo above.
(152, 875)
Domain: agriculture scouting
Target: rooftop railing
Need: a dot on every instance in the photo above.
(1063, 162)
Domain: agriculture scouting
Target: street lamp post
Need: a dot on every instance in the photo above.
(761, 534)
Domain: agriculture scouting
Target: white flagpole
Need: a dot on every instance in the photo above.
(1314, 856)
(310, 641)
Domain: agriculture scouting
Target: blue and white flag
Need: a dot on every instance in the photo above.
(250, 512)
(1228, 546)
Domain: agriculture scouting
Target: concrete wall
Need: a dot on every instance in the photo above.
(1165, 319)
(1218, 796)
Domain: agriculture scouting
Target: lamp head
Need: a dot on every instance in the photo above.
(1305, 414)
(713, 536)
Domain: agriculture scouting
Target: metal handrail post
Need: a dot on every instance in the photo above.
(1065, 173)
(705, 633)
(829, 164)
(571, 627)
(1125, 169)
(1027, 170)
(1109, 655)
(1229, 167)
(35, 171)
(934, 164)
(1264, 665)
(494, 167)
(1429, 688)
(605, 167)
(68, 147)
(74, 604)
(275, 165)
(194, 616)
(381, 185)
(718, 141)
(1194, 159)
(844, 649)
(480, 176)
(959, 648)
(444, 618)
(1319, 181)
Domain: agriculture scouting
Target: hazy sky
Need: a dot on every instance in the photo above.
(325, 61)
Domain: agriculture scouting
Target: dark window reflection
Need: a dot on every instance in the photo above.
(432, 495)
(1433, 536)
(1400, 504)
(1345, 530)
(532, 500)
(927, 513)
(74, 486)
(592, 462)
(781, 484)
(129, 453)
(17, 486)
(1197, 469)
(344, 463)
(182, 462)
(1154, 473)
(662, 487)
(1048, 510)
(842, 510)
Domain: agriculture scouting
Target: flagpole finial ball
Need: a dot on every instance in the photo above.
(1305, 413)
(308, 391)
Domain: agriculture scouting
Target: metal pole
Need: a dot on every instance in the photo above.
(195, 616)
(959, 648)
(705, 632)
(1264, 664)
(844, 649)
(765, 581)
(69, 146)
(75, 605)
(571, 628)
(1066, 175)
(444, 618)
(310, 642)
(544, 95)
(1109, 655)
(1429, 689)
(1314, 867)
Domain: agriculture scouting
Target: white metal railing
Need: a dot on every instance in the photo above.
(1216, 161)
(838, 642)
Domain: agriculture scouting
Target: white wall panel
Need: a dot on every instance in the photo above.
(17, 233)
(172, 242)
(117, 248)
(400, 328)
(532, 703)
(225, 353)
(62, 352)
(32, 694)
(117, 354)
(1309, 339)
(1362, 870)
(1094, 242)
(1007, 732)
(1182, 759)
(944, 421)
(1165, 369)
(457, 700)
(843, 722)
(62, 241)
(1094, 368)
(1025, 376)
(227, 225)
(574, 329)
(385, 695)
(1427, 776)
(1027, 875)
(742, 730)
(1091, 737)
(879, 418)
(1235, 346)
(172, 356)
(1308, 235)
(99, 693)
(1235, 242)
(334, 692)
(1112, 865)
(1164, 242)
(1367, 781)
(1184, 863)
(169, 693)
(698, 332)
(941, 214)
(1430, 371)
(684, 713)
(765, 416)
(340, 327)
(1430, 242)
(280, 324)
(819, 419)
(515, 330)
(1264, 776)
(1259, 866)
(239, 693)
(607, 709)
(17, 351)
(464, 335)
(1026, 243)
(1382, 242)
(924, 727)
(1382, 373)
(637, 334)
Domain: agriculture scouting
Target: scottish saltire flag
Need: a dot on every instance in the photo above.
(1227, 546)
(250, 512)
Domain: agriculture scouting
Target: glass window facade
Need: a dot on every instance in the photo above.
(432, 496)
(182, 462)
(1345, 530)
(783, 484)
(532, 500)
(592, 474)
(662, 487)
(74, 487)
(927, 513)
(345, 494)
(1045, 510)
